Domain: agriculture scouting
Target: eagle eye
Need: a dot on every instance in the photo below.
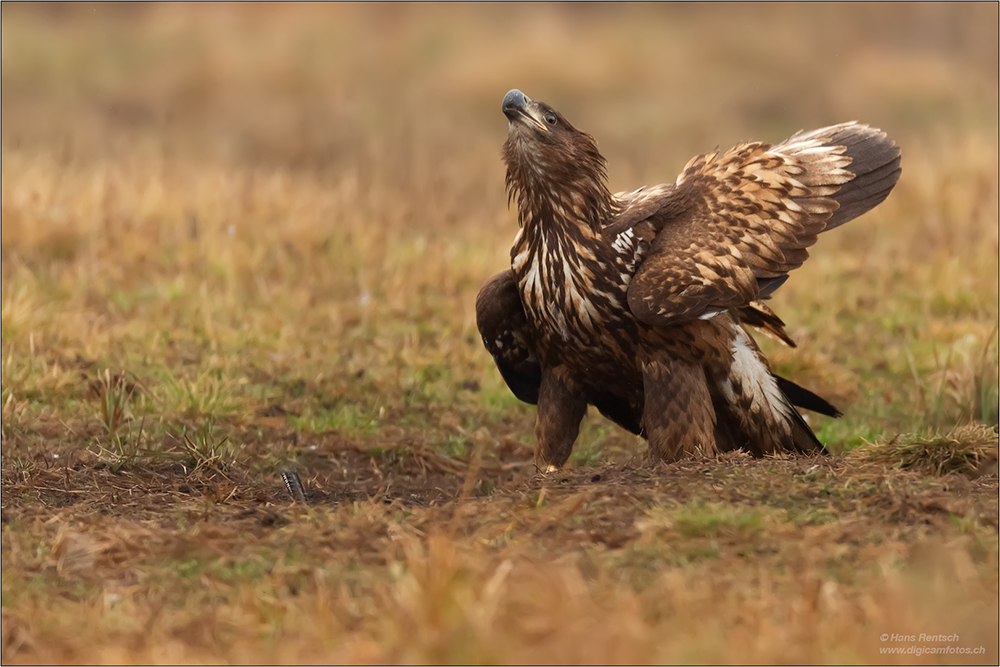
(550, 118)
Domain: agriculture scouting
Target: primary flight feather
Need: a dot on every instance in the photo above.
(636, 302)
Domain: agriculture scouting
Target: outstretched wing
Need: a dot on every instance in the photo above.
(733, 225)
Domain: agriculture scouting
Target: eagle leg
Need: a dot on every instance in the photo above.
(560, 411)
(678, 417)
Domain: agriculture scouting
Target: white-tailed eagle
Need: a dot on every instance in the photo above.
(636, 302)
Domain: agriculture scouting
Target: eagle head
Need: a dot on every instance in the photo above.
(550, 162)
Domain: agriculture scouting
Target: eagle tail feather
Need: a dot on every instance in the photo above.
(803, 398)
(803, 438)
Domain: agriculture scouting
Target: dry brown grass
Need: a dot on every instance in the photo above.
(238, 239)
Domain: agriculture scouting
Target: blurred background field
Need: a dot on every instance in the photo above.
(241, 237)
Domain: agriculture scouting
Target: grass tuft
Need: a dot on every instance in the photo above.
(115, 395)
(966, 449)
(121, 444)
(205, 448)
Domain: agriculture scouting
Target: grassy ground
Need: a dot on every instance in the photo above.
(241, 239)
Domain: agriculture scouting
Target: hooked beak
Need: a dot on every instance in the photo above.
(515, 103)
(515, 107)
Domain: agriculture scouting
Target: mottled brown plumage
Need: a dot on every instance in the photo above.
(636, 302)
